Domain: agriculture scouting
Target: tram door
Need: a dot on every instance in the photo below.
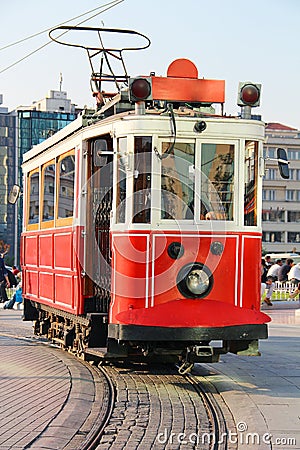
(100, 204)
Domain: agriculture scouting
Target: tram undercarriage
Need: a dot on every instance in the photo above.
(91, 338)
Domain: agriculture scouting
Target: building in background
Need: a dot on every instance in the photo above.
(42, 119)
(8, 165)
(281, 198)
(20, 130)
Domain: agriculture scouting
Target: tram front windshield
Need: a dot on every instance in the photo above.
(210, 185)
(193, 187)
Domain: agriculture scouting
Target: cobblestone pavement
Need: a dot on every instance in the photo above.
(48, 400)
(155, 409)
(263, 393)
(47, 397)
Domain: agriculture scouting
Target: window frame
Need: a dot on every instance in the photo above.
(40, 170)
(253, 158)
(141, 186)
(32, 226)
(63, 221)
(235, 211)
(47, 223)
(120, 167)
(162, 142)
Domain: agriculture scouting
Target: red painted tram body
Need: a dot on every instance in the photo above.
(142, 225)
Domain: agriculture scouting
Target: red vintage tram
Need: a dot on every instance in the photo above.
(142, 221)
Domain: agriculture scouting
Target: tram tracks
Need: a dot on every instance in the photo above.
(102, 420)
(149, 407)
(214, 410)
(157, 408)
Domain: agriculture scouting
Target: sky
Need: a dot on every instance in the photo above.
(234, 40)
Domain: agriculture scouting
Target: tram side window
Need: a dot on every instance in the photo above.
(142, 179)
(177, 181)
(66, 187)
(34, 193)
(121, 180)
(48, 183)
(251, 173)
(217, 181)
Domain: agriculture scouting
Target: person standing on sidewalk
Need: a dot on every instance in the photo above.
(266, 284)
(4, 281)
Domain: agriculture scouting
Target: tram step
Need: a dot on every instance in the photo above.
(102, 352)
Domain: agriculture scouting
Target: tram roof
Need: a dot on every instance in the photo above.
(89, 119)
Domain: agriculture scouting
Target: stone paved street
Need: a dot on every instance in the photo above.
(46, 395)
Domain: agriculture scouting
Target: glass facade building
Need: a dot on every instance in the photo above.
(36, 126)
(7, 177)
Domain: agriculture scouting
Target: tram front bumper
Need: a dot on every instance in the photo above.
(136, 333)
(190, 320)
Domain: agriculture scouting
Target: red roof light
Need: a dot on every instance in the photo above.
(249, 94)
(140, 89)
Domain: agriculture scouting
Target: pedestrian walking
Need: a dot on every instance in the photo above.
(4, 281)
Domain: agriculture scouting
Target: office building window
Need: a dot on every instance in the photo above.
(293, 154)
(273, 215)
(293, 236)
(270, 195)
(270, 152)
(290, 195)
(293, 216)
(273, 236)
(270, 174)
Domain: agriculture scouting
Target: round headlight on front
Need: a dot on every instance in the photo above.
(195, 280)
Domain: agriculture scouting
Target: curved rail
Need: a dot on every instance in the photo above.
(155, 407)
(217, 419)
(102, 421)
